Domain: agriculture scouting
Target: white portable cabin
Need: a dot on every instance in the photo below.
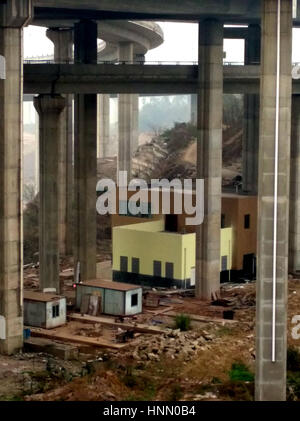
(117, 299)
(44, 309)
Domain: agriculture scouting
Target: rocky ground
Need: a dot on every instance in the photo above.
(197, 364)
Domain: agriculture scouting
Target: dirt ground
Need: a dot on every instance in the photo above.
(193, 365)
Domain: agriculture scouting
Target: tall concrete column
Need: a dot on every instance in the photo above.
(85, 155)
(13, 15)
(50, 109)
(294, 223)
(251, 116)
(125, 116)
(63, 52)
(271, 372)
(135, 123)
(104, 149)
(139, 59)
(209, 156)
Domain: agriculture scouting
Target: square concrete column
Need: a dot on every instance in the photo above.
(85, 156)
(251, 116)
(63, 52)
(135, 123)
(271, 369)
(13, 15)
(294, 223)
(50, 110)
(125, 116)
(104, 147)
(209, 156)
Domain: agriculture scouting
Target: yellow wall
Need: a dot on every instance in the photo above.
(148, 242)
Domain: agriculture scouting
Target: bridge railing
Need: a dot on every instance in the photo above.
(121, 62)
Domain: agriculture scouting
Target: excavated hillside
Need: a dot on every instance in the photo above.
(173, 154)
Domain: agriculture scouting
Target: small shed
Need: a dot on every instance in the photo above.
(44, 309)
(115, 298)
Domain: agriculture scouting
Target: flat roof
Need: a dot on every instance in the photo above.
(237, 196)
(118, 286)
(41, 296)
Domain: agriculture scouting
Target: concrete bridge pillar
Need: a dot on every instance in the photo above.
(63, 52)
(125, 116)
(103, 150)
(139, 59)
(50, 110)
(294, 223)
(271, 368)
(13, 16)
(251, 116)
(85, 157)
(209, 156)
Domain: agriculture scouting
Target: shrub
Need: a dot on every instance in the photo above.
(183, 322)
(176, 393)
(240, 372)
(293, 359)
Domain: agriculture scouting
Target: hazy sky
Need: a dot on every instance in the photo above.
(180, 44)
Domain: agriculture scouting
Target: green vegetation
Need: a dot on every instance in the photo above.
(293, 359)
(240, 372)
(142, 385)
(293, 374)
(183, 322)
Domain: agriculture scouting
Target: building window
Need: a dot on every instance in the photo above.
(124, 264)
(224, 263)
(134, 300)
(169, 270)
(223, 220)
(55, 311)
(135, 265)
(247, 221)
(157, 268)
(171, 223)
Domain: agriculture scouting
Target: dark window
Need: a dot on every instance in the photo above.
(171, 223)
(224, 263)
(124, 264)
(55, 311)
(135, 265)
(247, 221)
(134, 300)
(156, 268)
(169, 270)
(223, 220)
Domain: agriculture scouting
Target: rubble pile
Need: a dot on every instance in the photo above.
(173, 344)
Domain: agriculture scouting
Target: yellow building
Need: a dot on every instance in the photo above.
(146, 254)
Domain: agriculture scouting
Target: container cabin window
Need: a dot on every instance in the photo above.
(55, 311)
(134, 300)
(247, 221)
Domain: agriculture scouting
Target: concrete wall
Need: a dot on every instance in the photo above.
(244, 241)
(134, 309)
(61, 319)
